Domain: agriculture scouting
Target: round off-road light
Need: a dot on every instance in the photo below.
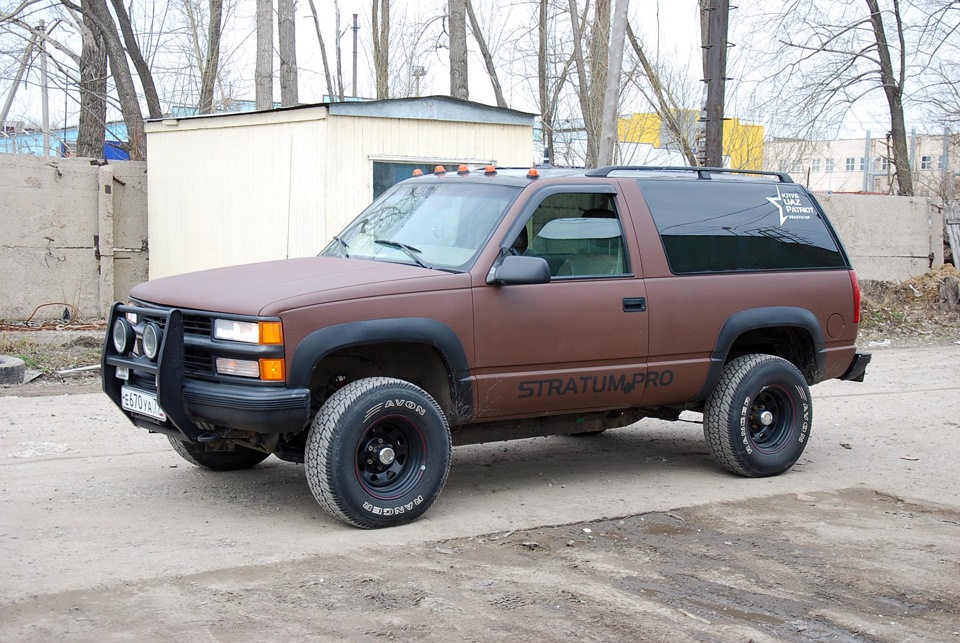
(152, 336)
(123, 335)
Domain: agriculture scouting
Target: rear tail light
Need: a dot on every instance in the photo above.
(856, 297)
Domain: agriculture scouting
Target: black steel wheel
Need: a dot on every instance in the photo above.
(757, 420)
(378, 453)
(199, 455)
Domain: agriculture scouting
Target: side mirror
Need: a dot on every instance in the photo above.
(520, 270)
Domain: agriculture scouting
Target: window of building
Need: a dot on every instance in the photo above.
(815, 165)
(796, 167)
(830, 165)
(851, 164)
(883, 163)
(782, 166)
(863, 163)
(926, 162)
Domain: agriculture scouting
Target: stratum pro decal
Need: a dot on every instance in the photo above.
(624, 383)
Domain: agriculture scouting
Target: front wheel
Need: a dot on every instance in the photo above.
(238, 458)
(378, 453)
(758, 418)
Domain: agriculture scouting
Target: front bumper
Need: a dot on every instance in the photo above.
(196, 407)
(858, 367)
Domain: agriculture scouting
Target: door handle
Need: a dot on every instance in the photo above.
(635, 305)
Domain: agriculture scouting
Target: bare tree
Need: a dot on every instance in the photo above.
(323, 52)
(611, 89)
(892, 83)
(287, 34)
(485, 53)
(663, 101)
(211, 64)
(380, 28)
(91, 129)
(263, 75)
(457, 28)
(133, 50)
(591, 70)
(100, 15)
(828, 57)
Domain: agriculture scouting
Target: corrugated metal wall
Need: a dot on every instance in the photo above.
(252, 187)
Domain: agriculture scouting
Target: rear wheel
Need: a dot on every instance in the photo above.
(757, 420)
(378, 453)
(239, 458)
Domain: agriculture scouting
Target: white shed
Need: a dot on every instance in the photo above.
(236, 188)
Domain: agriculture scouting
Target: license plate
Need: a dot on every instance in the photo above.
(143, 402)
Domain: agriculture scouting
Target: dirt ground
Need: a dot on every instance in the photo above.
(794, 567)
(631, 535)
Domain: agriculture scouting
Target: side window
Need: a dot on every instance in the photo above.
(725, 226)
(579, 234)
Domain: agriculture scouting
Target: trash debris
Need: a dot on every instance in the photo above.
(81, 369)
(879, 343)
(846, 445)
(909, 457)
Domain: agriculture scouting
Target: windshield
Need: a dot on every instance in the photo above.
(434, 225)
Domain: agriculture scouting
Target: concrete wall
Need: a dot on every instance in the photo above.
(888, 238)
(57, 218)
(72, 232)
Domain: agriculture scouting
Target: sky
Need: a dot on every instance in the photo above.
(668, 28)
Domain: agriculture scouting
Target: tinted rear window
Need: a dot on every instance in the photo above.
(713, 226)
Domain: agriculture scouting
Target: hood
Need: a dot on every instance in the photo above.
(249, 289)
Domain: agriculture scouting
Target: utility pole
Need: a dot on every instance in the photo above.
(356, 28)
(16, 81)
(44, 90)
(947, 174)
(716, 68)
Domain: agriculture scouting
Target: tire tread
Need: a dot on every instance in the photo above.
(718, 408)
(319, 446)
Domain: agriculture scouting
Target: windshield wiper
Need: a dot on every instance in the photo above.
(344, 246)
(408, 250)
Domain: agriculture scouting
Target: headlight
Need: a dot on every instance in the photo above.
(152, 336)
(248, 332)
(123, 335)
(236, 331)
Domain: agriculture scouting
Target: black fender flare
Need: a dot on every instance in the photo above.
(415, 330)
(755, 319)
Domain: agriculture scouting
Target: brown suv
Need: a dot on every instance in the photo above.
(490, 305)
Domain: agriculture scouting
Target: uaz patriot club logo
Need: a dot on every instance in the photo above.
(790, 206)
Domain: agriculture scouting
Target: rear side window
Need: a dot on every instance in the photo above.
(714, 226)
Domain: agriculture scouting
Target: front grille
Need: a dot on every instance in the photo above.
(197, 361)
(197, 325)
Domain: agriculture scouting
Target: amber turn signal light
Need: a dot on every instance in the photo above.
(271, 332)
(272, 370)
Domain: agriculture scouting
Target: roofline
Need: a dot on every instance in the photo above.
(338, 106)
